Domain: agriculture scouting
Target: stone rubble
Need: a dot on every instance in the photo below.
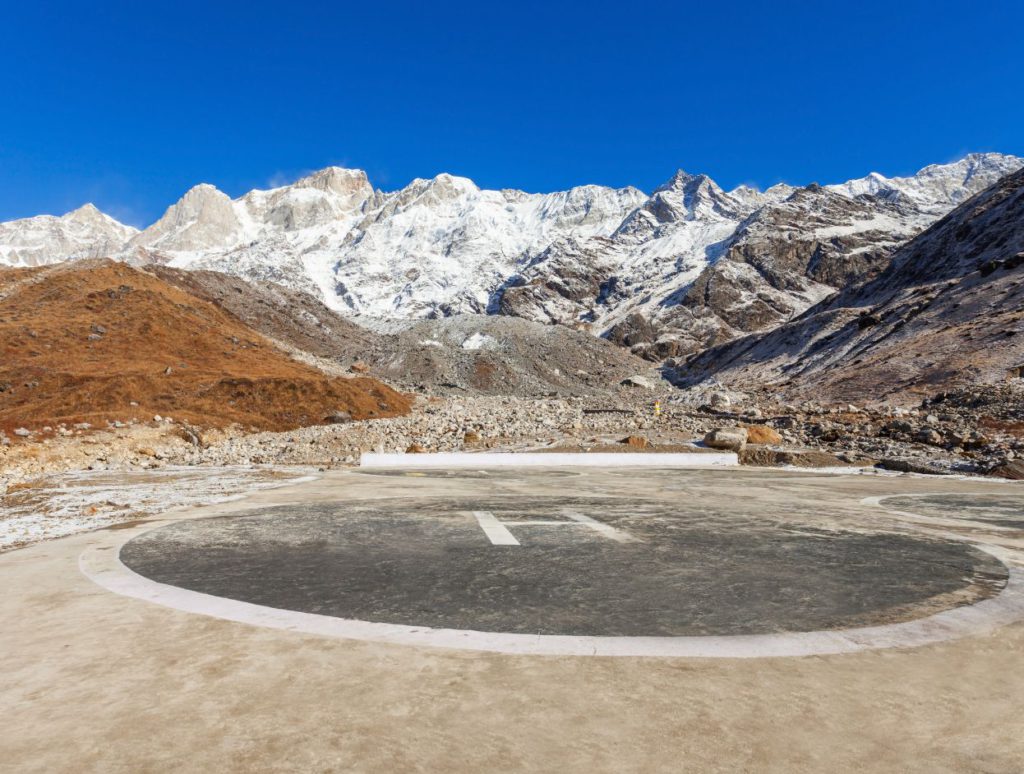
(973, 431)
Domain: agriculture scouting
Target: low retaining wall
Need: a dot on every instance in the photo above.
(549, 460)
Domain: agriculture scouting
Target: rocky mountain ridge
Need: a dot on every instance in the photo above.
(947, 313)
(82, 233)
(689, 266)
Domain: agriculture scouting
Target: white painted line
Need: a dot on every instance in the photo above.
(483, 460)
(498, 533)
(494, 529)
(605, 529)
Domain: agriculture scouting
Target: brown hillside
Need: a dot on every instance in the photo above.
(96, 341)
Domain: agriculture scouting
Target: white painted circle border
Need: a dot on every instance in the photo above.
(878, 501)
(102, 565)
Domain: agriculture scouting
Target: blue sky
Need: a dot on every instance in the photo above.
(129, 104)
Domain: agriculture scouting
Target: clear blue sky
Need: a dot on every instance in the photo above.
(129, 104)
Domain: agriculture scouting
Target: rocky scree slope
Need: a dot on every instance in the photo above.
(461, 355)
(947, 313)
(487, 355)
(666, 274)
(99, 341)
(293, 318)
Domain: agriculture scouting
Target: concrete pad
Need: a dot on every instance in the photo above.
(95, 681)
(480, 460)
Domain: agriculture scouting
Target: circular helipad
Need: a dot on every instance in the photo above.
(569, 566)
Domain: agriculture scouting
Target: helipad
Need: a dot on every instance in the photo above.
(451, 622)
(570, 574)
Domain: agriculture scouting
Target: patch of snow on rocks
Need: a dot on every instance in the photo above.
(64, 504)
(480, 341)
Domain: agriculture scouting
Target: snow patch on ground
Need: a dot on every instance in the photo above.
(66, 503)
(480, 341)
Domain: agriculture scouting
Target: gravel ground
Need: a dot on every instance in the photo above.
(977, 432)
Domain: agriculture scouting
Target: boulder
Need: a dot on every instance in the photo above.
(337, 418)
(190, 434)
(471, 437)
(359, 367)
(731, 438)
(762, 434)
(415, 448)
(719, 399)
(928, 436)
(636, 441)
(638, 381)
(910, 466)
(1012, 470)
(762, 457)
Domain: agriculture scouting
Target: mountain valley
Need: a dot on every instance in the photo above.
(830, 320)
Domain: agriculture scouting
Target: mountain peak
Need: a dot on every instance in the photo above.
(89, 214)
(680, 180)
(91, 218)
(204, 190)
(86, 210)
(454, 182)
(204, 217)
(337, 180)
(936, 188)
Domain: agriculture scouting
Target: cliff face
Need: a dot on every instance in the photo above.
(947, 312)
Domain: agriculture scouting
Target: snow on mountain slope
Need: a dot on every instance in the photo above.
(695, 266)
(440, 246)
(433, 248)
(937, 188)
(780, 260)
(665, 274)
(82, 233)
(665, 242)
(947, 312)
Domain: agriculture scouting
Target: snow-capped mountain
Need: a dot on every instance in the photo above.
(443, 245)
(437, 246)
(665, 274)
(938, 188)
(945, 313)
(695, 266)
(82, 233)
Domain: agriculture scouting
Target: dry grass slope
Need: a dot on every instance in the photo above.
(100, 341)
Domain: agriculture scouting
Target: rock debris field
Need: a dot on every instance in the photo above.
(971, 432)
